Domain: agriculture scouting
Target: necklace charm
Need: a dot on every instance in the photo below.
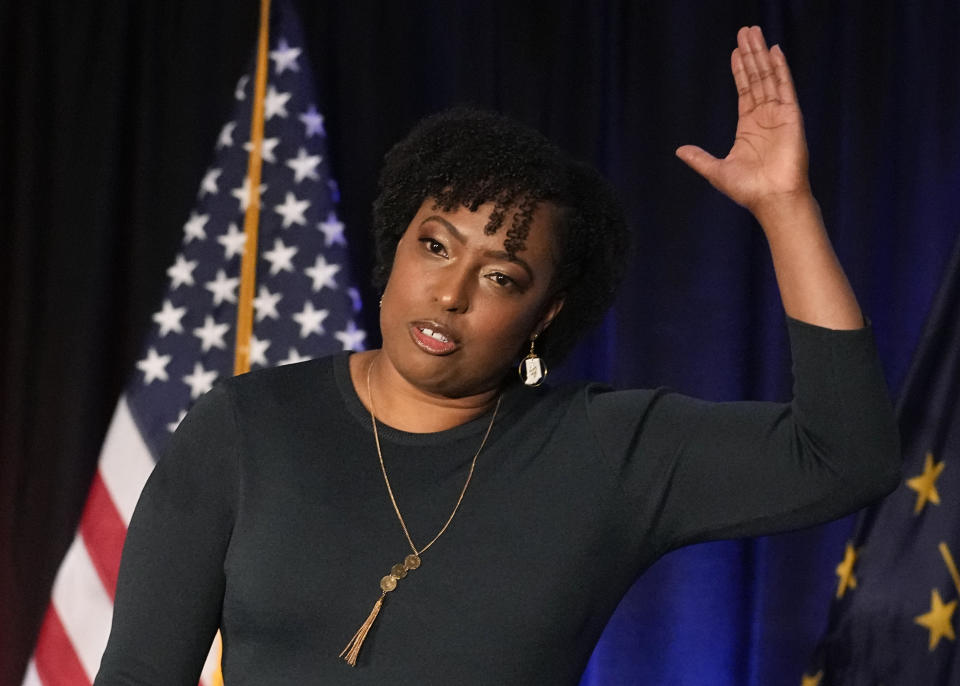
(411, 561)
(387, 584)
(399, 571)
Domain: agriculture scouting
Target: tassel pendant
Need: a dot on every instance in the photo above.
(387, 584)
(353, 647)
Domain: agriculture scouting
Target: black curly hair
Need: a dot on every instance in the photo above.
(469, 157)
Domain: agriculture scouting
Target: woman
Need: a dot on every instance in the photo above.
(460, 527)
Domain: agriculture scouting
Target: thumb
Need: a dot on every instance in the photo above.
(699, 160)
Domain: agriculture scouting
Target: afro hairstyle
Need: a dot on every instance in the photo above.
(463, 156)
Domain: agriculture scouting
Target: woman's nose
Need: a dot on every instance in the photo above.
(452, 291)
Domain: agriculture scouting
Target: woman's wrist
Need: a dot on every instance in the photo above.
(789, 215)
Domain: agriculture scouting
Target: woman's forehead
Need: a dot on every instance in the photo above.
(527, 228)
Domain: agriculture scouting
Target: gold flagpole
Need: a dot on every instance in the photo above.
(251, 226)
(251, 219)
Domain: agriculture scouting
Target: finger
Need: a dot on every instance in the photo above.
(699, 160)
(750, 64)
(745, 101)
(785, 88)
(761, 54)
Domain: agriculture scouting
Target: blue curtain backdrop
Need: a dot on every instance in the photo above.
(112, 112)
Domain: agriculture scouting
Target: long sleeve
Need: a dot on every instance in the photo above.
(579, 489)
(723, 470)
(171, 582)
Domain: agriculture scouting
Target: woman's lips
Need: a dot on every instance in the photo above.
(433, 338)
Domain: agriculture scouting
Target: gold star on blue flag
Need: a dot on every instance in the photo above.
(894, 622)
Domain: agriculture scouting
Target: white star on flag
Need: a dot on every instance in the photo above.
(265, 304)
(313, 121)
(233, 241)
(194, 227)
(224, 289)
(189, 344)
(275, 103)
(211, 334)
(239, 92)
(172, 426)
(209, 183)
(280, 257)
(225, 139)
(258, 351)
(181, 272)
(242, 194)
(292, 210)
(310, 320)
(285, 57)
(322, 274)
(355, 299)
(266, 148)
(293, 357)
(169, 318)
(154, 367)
(332, 230)
(304, 166)
(352, 338)
(200, 381)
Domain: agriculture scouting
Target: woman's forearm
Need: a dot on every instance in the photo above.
(813, 285)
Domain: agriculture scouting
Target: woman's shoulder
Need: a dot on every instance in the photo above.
(286, 385)
(297, 373)
(587, 399)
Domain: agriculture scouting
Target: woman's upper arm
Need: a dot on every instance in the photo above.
(720, 470)
(171, 582)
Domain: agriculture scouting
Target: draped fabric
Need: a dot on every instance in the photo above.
(108, 110)
(899, 560)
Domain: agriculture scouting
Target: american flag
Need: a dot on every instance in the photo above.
(304, 307)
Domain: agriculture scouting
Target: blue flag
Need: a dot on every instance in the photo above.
(894, 618)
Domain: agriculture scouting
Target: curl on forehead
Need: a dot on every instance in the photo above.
(466, 157)
(517, 212)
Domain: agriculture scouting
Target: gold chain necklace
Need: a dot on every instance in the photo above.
(412, 561)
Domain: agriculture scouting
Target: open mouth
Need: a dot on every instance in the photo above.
(434, 334)
(431, 339)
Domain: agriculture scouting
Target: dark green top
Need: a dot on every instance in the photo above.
(269, 517)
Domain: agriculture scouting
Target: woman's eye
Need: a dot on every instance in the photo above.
(433, 246)
(502, 279)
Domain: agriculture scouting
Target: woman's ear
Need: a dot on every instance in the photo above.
(552, 311)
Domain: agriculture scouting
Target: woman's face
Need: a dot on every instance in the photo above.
(457, 309)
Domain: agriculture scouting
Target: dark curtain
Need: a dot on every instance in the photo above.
(108, 114)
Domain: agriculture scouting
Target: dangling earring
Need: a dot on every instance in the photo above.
(532, 370)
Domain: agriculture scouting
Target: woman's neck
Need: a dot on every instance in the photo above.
(401, 405)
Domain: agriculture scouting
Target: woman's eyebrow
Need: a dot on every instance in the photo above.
(504, 255)
(498, 254)
(454, 231)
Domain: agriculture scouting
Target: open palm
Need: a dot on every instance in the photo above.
(769, 155)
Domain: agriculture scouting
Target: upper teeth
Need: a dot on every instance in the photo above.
(436, 334)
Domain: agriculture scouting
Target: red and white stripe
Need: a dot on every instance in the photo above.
(77, 622)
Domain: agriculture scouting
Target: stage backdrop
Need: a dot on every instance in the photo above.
(107, 114)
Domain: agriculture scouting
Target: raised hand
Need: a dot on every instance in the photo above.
(767, 164)
(766, 172)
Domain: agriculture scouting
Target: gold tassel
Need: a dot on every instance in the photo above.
(353, 647)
